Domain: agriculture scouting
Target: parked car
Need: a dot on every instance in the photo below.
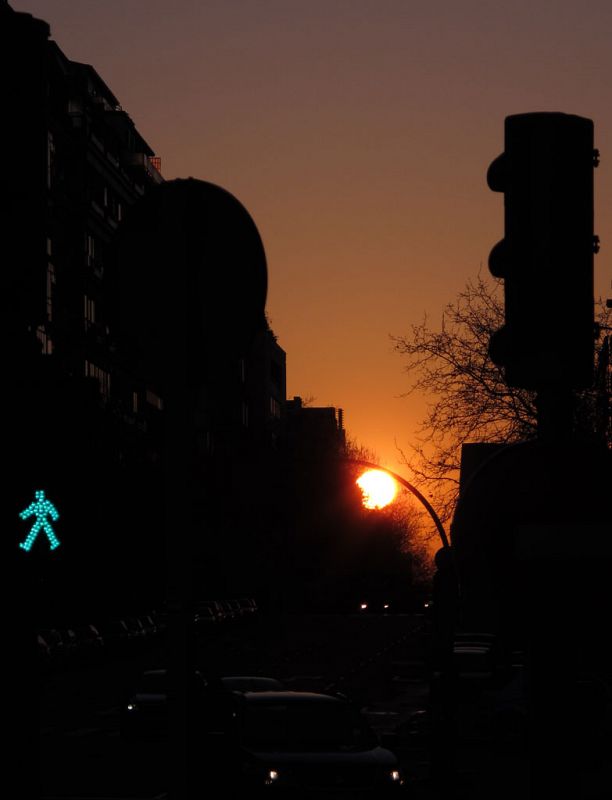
(55, 643)
(69, 638)
(215, 605)
(474, 654)
(249, 683)
(230, 614)
(116, 636)
(144, 713)
(150, 628)
(43, 654)
(136, 629)
(160, 619)
(417, 729)
(90, 643)
(239, 610)
(205, 620)
(303, 742)
(249, 606)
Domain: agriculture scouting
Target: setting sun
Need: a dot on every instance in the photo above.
(378, 488)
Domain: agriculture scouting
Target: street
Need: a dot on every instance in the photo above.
(375, 660)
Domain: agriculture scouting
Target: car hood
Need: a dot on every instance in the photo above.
(377, 757)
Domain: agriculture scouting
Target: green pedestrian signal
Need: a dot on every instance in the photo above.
(41, 509)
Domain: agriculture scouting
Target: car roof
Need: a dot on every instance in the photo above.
(291, 698)
(261, 680)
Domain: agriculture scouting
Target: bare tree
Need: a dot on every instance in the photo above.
(470, 401)
(403, 519)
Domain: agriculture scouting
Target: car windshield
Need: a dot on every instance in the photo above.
(304, 727)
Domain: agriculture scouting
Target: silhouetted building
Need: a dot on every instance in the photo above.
(76, 163)
(249, 401)
(264, 377)
(91, 411)
(314, 432)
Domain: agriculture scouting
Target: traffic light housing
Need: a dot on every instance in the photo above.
(546, 256)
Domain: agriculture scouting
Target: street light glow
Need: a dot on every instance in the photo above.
(378, 488)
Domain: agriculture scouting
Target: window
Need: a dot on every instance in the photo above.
(113, 206)
(97, 192)
(50, 159)
(89, 312)
(275, 408)
(90, 248)
(92, 255)
(45, 340)
(154, 400)
(276, 374)
(50, 283)
(101, 375)
(205, 442)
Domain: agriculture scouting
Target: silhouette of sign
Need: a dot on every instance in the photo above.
(40, 509)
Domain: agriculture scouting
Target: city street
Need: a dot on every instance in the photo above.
(374, 659)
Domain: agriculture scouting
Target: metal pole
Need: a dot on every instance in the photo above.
(415, 492)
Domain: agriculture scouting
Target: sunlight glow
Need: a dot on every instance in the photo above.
(378, 488)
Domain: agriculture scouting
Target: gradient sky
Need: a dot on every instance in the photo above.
(357, 133)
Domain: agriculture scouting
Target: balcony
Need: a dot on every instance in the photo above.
(148, 164)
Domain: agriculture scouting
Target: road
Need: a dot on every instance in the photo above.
(377, 660)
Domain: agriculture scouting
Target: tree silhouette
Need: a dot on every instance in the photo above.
(470, 401)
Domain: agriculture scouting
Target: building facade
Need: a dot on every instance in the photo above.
(91, 421)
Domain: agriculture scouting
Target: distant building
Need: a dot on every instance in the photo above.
(264, 375)
(314, 432)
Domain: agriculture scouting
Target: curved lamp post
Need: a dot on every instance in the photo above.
(411, 488)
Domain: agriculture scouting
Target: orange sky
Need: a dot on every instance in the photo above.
(358, 134)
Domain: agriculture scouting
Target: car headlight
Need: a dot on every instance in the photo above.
(396, 776)
(271, 777)
(132, 707)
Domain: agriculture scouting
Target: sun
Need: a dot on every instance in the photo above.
(378, 488)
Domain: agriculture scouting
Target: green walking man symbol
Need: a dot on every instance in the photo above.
(41, 508)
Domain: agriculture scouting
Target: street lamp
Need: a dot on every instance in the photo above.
(378, 487)
(376, 467)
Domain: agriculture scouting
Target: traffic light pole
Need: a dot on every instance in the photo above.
(546, 263)
(555, 414)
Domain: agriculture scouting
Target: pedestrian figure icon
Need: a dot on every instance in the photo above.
(41, 509)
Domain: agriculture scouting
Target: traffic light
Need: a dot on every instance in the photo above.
(546, 255)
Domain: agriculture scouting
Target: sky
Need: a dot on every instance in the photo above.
(357, 133)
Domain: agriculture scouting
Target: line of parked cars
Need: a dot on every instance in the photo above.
(210, 615)
(88, 643)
